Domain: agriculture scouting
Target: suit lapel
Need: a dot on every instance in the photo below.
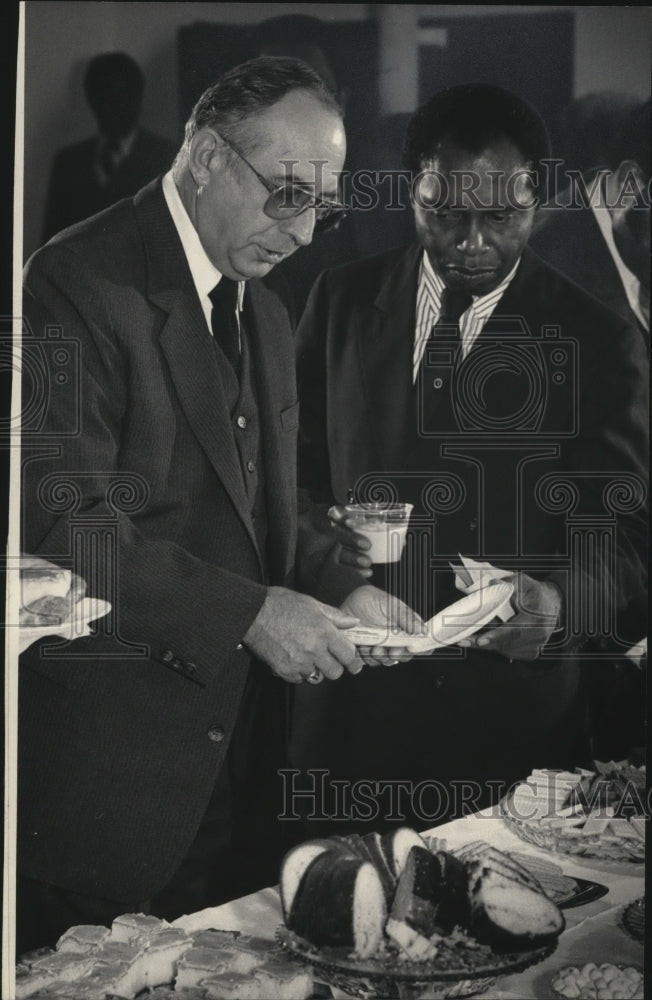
(186, 344)
(385, 360)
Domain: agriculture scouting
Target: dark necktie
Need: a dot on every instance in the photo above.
(224, 323)
(453, 305)
(447, 327)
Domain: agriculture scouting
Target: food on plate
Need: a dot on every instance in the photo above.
(39, 578)
(607, 803)
(82, 938)
(144, 953)
(48, 610)
(334, 896)
(509, 909)
(599, 982)
(550, 876)
(431, 899)
(340, 901)
(336, 891)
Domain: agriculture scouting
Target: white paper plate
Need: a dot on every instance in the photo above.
(84, 613)
(457, 621)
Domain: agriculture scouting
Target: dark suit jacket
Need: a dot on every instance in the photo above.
(75, 192)
(518, 453)
(130, 448)
(571, 240)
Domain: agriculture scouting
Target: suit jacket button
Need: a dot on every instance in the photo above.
(191, 668)
(215, 734)
(167, 655)
(239, 646)
(241, 422)
(251, 466)
(437, 383)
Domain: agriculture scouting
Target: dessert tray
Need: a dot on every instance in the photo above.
(595, 814)
(458, 621)
(598, 982)
(461, 968)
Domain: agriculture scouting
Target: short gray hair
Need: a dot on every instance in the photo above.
(251, 88)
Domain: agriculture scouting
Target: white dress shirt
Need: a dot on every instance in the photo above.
(429, 294)
(204, 273)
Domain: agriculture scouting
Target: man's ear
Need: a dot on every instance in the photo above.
(206, 152)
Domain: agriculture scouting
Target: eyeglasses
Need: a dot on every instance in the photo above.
(287, 200)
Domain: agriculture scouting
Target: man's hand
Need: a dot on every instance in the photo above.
(354, 546)
(296, 636)
(375, 607)
(538, 607)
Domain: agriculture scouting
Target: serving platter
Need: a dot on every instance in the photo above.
(460, 968)
(571, 840)
(586, 891)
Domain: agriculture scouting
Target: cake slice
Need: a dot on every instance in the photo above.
(233, 986)
(293, 868)
(199, 963)
(136, 927)
(162, 956)
(283, 980)
(250, 952)
(396, 846)
(211, 937)
(479, 853)
(82, 938)
(340, 903)
(508, 915)
(431, 899)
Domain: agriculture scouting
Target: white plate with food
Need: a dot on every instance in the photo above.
(77, 624)
(456, 622)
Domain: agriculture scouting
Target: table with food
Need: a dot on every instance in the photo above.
(541, 896)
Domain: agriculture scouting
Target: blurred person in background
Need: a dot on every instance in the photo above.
(93, 174)
(601, 239)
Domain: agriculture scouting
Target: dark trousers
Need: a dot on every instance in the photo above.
(237, 848)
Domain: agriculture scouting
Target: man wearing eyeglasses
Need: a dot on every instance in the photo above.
(149, 750)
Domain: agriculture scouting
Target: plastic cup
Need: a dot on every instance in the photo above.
(384, 525)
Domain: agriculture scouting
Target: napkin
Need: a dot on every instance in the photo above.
(472, 575)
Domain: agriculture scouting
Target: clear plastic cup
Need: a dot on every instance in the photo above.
(384, 525)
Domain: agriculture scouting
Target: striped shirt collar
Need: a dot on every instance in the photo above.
(429, 296)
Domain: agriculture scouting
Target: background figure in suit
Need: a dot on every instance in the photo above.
(95, 173)
(148, 752)
(464, 375)
(601, 240)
